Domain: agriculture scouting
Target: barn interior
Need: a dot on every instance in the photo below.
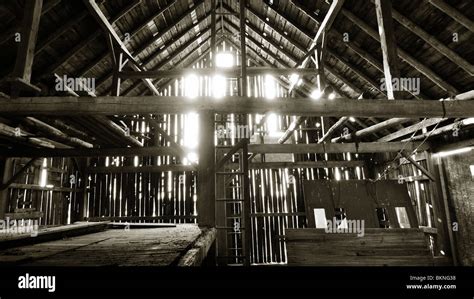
(237, 133)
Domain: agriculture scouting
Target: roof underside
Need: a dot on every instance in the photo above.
(165, 34)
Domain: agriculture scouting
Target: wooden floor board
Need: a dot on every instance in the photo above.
(113, 247)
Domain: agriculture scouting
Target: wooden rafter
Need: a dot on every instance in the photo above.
(107, 27)
(84, 42)
(430, 74)
(29, 33)
(453, 13)
(165, 47)
(434, 42)
(383, 9)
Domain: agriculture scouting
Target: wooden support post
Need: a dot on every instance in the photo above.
(388, 43)
(206, 177)
(83, 207)
(243, 51)
(117, 56)
(444, 191)
(213, 32)
(4, 195)
(247, 222)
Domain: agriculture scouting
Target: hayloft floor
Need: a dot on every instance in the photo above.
(117, 245)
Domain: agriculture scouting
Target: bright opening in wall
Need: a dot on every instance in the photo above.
(270, 87)
(295, 80)
(219, 86)
(224, 60)
(191, 86)
(191, 130)
(191, 136)
(44, 174)
(272, 124)
(337, 174)
(191, 158)
(316, 94)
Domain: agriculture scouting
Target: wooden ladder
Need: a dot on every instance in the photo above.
(233, 222)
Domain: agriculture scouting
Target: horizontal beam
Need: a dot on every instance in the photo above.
(141, 169)
(231, 72)
(76, 106)
(265, 165)
(89, 152)
(330, 148)
(306, 164)
(363, 147)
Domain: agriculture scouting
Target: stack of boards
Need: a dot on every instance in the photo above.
(378, 247)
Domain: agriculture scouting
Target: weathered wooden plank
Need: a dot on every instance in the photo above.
(206, 172)
(297, 106)
(199, 251)
(228, 72)
(378, 247)
(52, 233)
(29, 34)
(383, 9)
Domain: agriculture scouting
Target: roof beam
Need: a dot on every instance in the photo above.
(29, 33)
(383, 9)
(457, 125)
(84, 42)
(351, 45)
(294, 106)
(411, 129)
(154, 55)
(431, 75)
(177, 52)
(10, 33)
(434, 42)
(187, 56)
(107, 27)
(60, 31)
(324, 27)
(453, 13)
